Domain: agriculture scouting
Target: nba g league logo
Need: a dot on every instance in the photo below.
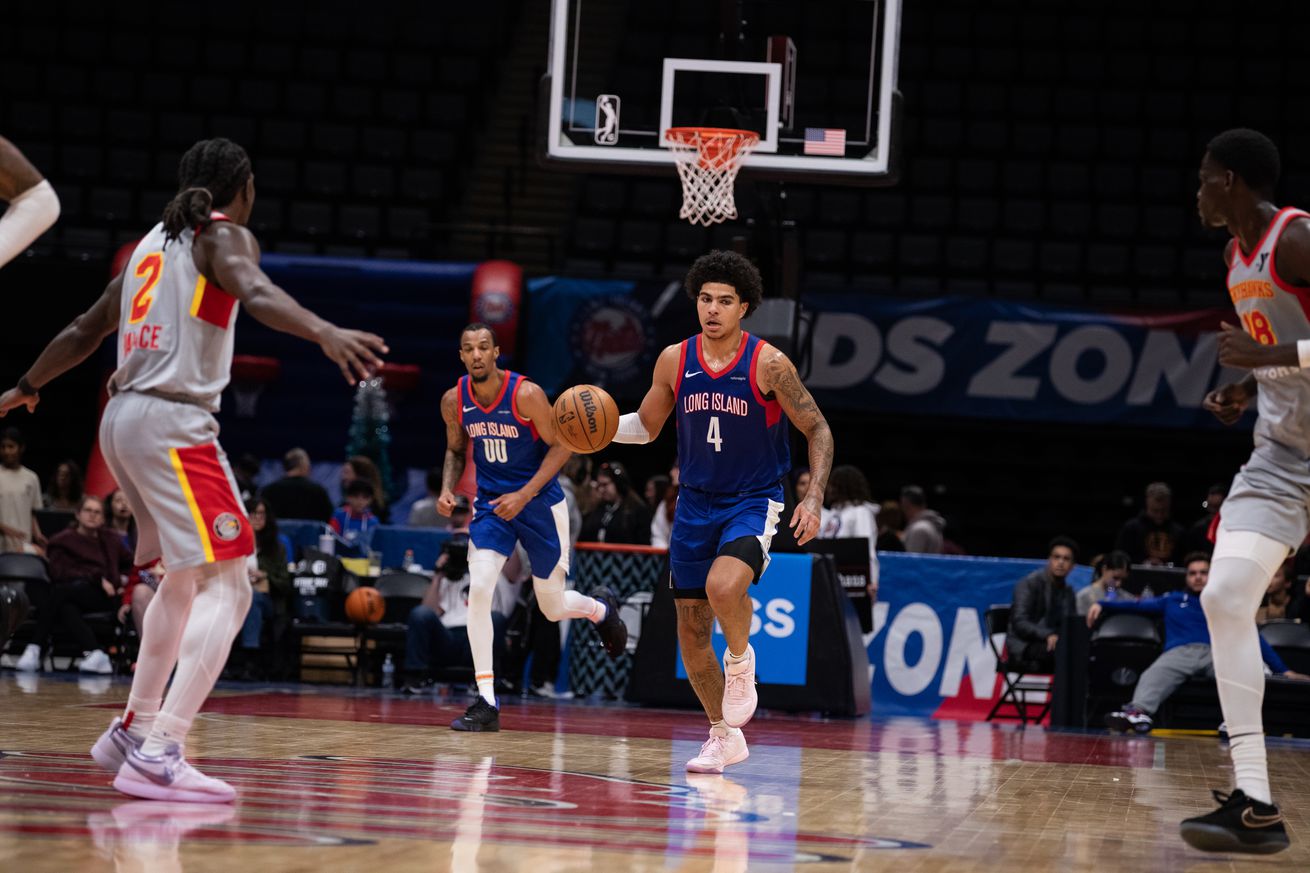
(611, 340)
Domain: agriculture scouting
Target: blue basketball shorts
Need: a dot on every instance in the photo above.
(703, 523)
(542, 528)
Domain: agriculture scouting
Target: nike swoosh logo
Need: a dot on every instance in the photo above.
(689, 374)
(1251, 820)
(469, 408)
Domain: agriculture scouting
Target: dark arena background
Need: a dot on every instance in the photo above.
(977, 229)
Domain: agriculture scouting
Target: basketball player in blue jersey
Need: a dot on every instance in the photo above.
(1267, 512)
(509, 422)
(730, 391)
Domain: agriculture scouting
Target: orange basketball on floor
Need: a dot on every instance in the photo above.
(365, 606)
(586, 419)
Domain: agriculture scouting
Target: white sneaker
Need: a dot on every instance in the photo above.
(96, 662)
(739, 697)
(30, 661)
(723, 748)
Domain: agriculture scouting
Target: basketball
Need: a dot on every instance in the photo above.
(365, 606)
(586, 419)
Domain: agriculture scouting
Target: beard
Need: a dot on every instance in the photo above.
(480, 379)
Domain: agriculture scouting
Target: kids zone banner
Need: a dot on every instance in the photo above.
(947, 356)
(929, 654)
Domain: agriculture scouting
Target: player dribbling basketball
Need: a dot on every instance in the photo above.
(517, 459)
(730, 391)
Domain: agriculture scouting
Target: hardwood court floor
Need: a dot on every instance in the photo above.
(343, 781)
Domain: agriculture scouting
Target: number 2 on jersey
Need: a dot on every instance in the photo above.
(148, 268)
(712, 436)
(494, 451)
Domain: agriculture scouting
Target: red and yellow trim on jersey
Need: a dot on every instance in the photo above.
(221, 523)
(211, 304)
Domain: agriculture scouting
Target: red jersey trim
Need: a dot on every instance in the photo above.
(1300, 292)
(682, 368)
(462, 381)
(504, 383)
(211, 304)
(514, 406)
(772, 408)
(1273, 222)
(213, 216)
(700, 357)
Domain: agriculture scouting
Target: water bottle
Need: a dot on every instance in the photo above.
(408, 562)
(327, 543)
(388, 672)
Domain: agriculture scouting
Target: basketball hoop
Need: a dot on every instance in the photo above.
(250, 375)
(708, 159)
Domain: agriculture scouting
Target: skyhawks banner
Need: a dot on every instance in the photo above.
(947, 356)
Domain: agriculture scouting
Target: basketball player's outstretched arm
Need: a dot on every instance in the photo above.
(776, 375)
(645, 424)
(452, 469)
(532, 402)
(228, 255)
(70, 347)
(1239, 349)
(33, 204)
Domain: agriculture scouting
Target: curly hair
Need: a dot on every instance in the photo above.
(210, 174)
(728, 268)
(847, 484)
(1251, 155)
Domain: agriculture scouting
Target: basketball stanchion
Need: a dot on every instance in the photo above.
(632, 572)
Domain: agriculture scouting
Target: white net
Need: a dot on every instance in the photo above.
(708, 160)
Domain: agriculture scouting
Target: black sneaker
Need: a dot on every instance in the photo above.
(481, 716)
(1129, 719)
(613, 632)
(1240, 824)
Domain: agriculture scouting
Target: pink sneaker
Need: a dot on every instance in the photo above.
(723, 748)
(169, 777)
(739, 697)
(112, 747)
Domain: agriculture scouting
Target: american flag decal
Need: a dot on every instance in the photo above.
(825, 141)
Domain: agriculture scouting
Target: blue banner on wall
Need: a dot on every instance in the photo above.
(781, 623)
(929, 648)
(946, 356)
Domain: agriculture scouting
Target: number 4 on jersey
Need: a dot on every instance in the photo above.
(712, 437)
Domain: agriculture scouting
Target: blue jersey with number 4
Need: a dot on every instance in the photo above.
(731, 438)
(507, 450)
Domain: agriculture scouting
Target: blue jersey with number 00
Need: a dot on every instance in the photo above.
(731, 438)
(507, 450)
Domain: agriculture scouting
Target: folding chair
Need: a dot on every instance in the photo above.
(18, 570)
(1019, 679)
(1291, 640)
(401, 592)
(1122, 646)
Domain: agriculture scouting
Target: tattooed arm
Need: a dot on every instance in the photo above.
(776, 375)
(456, 444)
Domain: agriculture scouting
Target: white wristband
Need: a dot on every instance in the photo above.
(29, 215)
(1303, 353)
(631, 430)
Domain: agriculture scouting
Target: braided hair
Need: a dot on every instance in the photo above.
(213, 171)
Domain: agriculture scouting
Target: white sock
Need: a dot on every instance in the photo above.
(140, 715)
(1243, 564)
(487, 686)
(724, 729)
(737, 659)
(484, 570)
(167, 730)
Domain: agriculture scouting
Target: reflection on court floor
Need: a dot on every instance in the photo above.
(351, 780)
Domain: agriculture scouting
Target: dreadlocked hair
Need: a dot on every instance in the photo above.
(213, 171)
